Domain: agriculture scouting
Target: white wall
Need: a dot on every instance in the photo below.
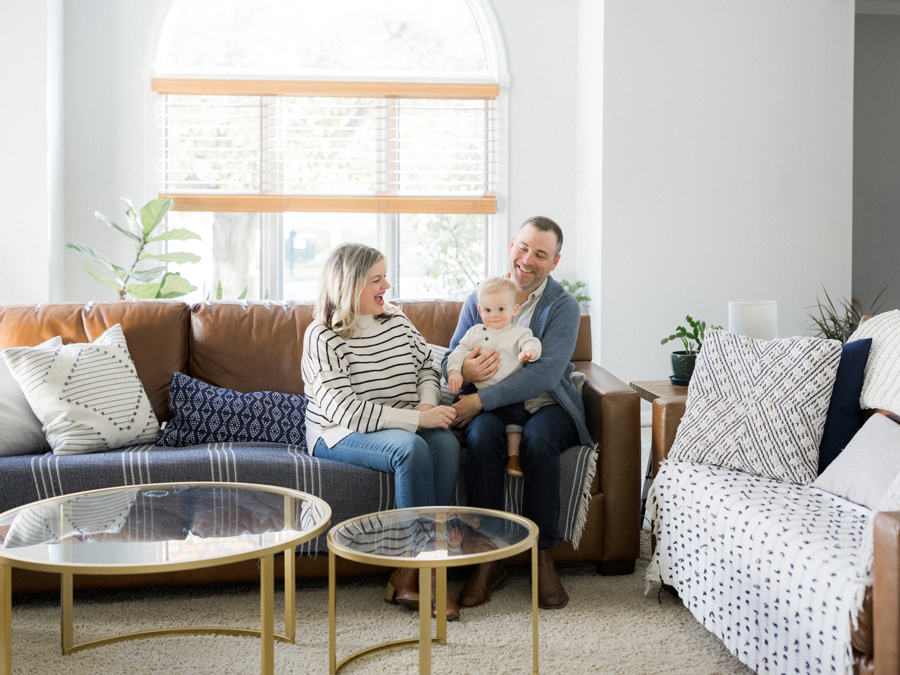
(107, 84)
(876, 161)
(542, 52)
(24, 188)
(726, 165)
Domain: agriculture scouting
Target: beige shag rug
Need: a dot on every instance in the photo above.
(609, 626)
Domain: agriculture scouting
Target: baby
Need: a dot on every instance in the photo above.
(514, 344)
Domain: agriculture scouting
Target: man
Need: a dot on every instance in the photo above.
(556, 412)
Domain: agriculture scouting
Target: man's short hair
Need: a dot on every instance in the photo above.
(545, 224)
(497, 285)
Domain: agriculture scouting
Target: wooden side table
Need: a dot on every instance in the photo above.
(662, 432)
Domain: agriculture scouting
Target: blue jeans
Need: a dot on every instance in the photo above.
(548, 432)
(425, 464)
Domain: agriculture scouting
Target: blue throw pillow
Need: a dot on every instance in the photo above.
(844, 414)
(202, 413)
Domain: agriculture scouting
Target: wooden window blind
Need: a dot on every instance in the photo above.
(335, 146)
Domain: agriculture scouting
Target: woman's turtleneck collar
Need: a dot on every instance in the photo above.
(364, 324)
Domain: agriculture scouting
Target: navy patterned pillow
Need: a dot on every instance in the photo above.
(202, 413)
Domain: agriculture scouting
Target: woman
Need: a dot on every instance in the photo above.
(373, 394)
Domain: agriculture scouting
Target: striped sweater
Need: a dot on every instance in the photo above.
(368, 382)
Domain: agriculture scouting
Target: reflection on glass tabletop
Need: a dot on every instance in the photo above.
(158, 524)
(431, 533)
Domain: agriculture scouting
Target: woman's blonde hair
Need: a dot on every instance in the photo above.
(343, 278)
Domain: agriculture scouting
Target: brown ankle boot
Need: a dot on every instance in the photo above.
(483, 579)
(551, 594)
(403, 587)
(452, 607)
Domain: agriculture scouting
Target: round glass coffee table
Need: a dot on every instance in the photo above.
(432, 538)
(160, 528)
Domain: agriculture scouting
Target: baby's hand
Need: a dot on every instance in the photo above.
(528, 355)
(454, 381)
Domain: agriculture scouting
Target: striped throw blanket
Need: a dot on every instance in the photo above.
(350, 490)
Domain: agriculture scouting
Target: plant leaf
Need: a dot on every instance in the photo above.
(243, 294)
(179, 258)
(179, 233)
(144, 291)
(94, 255)
(131, 235)
(153, 213)
(148, 274)
(219, 291)
(100, 276)
(174, 285)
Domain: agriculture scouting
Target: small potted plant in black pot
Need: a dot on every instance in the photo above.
(692, 339)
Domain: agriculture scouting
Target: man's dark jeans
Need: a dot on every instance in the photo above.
(548, 432)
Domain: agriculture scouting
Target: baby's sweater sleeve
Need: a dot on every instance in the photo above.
(528, 341)
(457, 356)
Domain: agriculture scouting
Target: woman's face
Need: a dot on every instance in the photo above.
(371, 298)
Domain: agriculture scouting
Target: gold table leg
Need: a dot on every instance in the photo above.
(5, 620)
(425, 620)
(267, 613)
(441, 605)
(534, 606)
(66, 619)
(332, 657)
(290, 595)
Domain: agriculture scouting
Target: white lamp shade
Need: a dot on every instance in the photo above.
(753, 318)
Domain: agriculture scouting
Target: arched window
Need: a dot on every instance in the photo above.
(288, 127)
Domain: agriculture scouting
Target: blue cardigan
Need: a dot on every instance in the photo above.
(555, 323)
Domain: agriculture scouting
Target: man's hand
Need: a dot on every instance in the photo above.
(466, 408)
(478, 367)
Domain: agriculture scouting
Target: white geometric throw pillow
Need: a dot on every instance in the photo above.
(759, 407)
(87, 396)
(20, 430)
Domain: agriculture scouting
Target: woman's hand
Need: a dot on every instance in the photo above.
(437, 418)
(422, 407)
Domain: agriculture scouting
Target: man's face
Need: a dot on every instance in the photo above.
(532, 256)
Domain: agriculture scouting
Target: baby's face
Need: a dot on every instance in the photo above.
(497, 309)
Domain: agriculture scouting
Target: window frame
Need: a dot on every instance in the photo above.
(271, 221)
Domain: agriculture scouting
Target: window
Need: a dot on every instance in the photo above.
(287, 128)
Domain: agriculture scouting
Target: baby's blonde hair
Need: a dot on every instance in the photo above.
(343, 278)
(497, 285)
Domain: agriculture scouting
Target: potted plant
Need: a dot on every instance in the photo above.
(577, 289)
(143, 282)
(692, 338)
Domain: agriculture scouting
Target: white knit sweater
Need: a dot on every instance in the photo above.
(881, 385)
(509, 341)
(369, 382)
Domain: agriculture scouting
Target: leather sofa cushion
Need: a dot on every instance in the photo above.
(249, 346)
(156, 333)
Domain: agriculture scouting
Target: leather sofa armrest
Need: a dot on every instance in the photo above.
(613, 416)
(886, 595)
(667, 414)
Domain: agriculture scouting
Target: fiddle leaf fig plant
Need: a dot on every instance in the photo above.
(139, 280)
(691, 338)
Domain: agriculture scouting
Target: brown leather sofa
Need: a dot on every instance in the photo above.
(257, 346)
(876, 640)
